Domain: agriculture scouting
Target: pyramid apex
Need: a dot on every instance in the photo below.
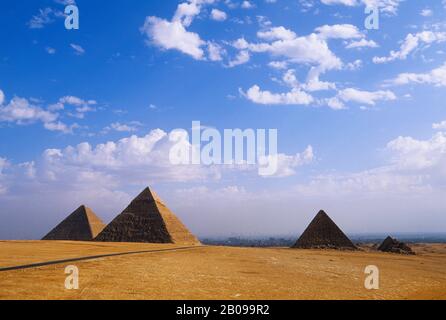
(149, 194)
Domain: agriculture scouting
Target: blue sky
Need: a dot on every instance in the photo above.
(84, 114)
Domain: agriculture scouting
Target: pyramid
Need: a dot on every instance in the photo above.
(81, 225)
(394, 246)
(147, 219)
(323, 233)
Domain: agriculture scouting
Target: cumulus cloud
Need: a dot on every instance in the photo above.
(242, 57)
(173, 34)
(22, 111)
(218, 15)
(359, 96)
(420, 155)
(436, 77)
(287, 164)
(410, 44)
(247, 5)
(309, 49)
(79, 106)
(277, 33)
(265, 97)
(339, 31)
(215, 51)
(363, 43)
(439, 126)
(137, 160)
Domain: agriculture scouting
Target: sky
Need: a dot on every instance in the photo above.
(85, 115)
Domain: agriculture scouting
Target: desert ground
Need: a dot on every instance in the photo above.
(205, 272)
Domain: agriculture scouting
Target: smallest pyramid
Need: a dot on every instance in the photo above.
(82, 225)
(394, 246)
(323, 233)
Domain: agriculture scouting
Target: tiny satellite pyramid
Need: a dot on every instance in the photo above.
(323, 233)
(394, 246)
(81, 225)
(147, 219)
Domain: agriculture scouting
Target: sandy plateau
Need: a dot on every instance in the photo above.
(204, 272)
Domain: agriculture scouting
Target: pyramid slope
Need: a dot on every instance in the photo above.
(147, 219)
(81, 225)
(323, 233)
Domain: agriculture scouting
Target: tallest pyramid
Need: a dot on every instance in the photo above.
(147, 219)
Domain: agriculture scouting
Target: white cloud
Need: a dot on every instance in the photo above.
(294, 97)
(60, 126)
(241, 58)
(362, 97)
(173, 35)
(355, 65)
(50, 50)
(389, 7)
(315, 84)
(81, 107)
(363, 43)
(339, 31)
(247, 4)
(426, 156)
(123, 127)
(426, 12)
(78, 50)
(335, 103)
(3, 164)
(349, 3)
(218, 15)
(436, 77)
(22, 111)
(309, 49)
(277, 33)
(286, 164)
(280, 65)
(187, 11)
(44, 17)
(411, 43)
(215, 52)
(439, 126)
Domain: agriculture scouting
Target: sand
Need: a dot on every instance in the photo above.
(219, 273)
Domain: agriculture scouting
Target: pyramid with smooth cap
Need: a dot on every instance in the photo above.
(81, 225)
(323, 233)
(147, 219)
